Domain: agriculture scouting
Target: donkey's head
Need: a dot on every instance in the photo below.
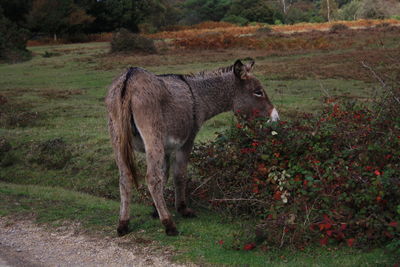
(250, 98)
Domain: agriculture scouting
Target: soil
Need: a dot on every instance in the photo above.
(23, 243)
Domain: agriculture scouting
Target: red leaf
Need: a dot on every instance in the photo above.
(343, 226)
(277, 195)
(329, 233)
(324, 241)
(350, 242)
(255, 189)
(323, 226)
(393, 224)
(221, 242)
(249, 246)
(377, 172)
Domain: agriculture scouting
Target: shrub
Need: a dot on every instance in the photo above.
(236, 20)
(12, 41)
(264, 31)
(327, 178)
(126, 41)
(338, 27)
(5, 147)
(252, 10)
(296, 15)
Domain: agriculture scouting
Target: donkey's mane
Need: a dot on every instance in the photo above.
(210, 73)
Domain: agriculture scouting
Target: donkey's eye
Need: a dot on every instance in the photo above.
(258, 93)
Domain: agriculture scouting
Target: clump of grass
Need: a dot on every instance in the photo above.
(48, 54)
(52, 154)
(5, 148)
(19, 118)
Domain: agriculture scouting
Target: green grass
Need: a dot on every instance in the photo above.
(198, 241)
(62, 96)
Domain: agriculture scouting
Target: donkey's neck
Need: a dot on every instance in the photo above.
(212, 95)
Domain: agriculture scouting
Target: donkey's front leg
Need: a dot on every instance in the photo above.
(156, 181)
(180, 181)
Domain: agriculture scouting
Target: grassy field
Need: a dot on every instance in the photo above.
(54, 141)
(198, 242)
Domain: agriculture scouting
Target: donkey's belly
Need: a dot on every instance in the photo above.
(171, 144)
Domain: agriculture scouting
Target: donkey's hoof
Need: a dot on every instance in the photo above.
(123, 228)
(188, 213)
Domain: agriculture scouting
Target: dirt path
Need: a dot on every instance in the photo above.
(23, 243)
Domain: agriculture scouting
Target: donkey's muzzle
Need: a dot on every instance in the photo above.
(274, 116)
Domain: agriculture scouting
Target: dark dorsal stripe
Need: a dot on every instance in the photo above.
(194, 111)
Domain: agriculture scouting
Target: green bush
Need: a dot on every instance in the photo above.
(330, 178)
(236, 20)
(252, 10)
(296, 15)
(12, 41)
(126, 41)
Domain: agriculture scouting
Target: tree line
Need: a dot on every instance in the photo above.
(55, 17)
(74, 19)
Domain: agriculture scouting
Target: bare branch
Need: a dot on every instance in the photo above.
(374, 73)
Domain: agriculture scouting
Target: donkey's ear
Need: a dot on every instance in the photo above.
(242, 70)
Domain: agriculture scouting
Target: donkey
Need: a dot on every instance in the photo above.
(161, 115)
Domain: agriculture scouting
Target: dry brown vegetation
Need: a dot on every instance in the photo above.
(301, 55)
(239, 30)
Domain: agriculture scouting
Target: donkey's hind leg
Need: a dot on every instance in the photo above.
(156, 179)
(125, 184)
(154, 214)
(180, 180)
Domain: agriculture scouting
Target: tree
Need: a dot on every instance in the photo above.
(378, 9)
(329, 9)
(57, 16)
(285, 4)
(202, 10)
(12, 40)
(349, 11)
(16, 10)
(252, 10)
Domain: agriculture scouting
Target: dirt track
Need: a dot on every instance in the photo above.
(23, 243)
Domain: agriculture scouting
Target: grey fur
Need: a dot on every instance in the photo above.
(161, 115)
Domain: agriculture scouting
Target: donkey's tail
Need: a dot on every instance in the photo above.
(120, 112)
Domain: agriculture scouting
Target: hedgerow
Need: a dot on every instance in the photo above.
(330, 178)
